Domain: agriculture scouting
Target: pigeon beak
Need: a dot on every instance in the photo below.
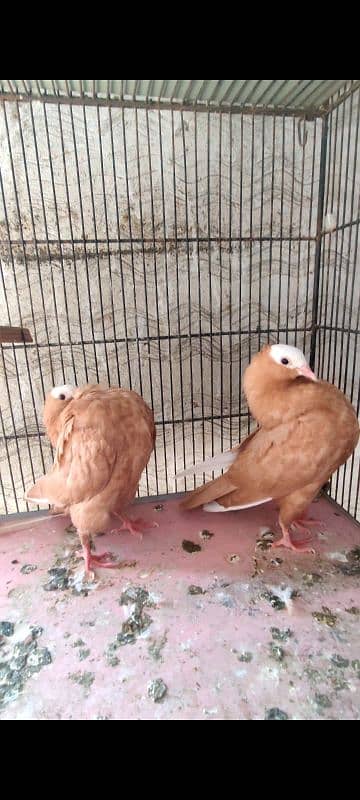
(306, 372)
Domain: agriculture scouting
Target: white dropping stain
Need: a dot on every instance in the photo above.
(79, 582)
(241, 673)
(270, 676)
(284, 593)
(265, 530)
(187, 646)
(338, 557)
(232, 558)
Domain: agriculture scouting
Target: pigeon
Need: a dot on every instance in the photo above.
(306, 430)
(103, 441)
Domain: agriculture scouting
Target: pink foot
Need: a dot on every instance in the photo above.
(286, 541)
(93, 560)
(136, 526)
(100, 558)
(298, 526)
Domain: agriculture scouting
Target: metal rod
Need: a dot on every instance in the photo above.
(71, 99)
(317, 266)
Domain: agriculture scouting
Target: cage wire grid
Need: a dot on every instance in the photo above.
(157, 248)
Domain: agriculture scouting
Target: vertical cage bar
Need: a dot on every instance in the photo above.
(318, 246)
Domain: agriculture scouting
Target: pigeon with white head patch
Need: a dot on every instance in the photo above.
(307, 429)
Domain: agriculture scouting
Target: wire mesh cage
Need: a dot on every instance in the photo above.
(154, 234)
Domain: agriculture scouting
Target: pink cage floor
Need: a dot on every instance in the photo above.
(211, 634)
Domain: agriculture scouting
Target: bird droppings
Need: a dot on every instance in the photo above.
(354, 554)
(311, 578)
(356, 666)
(159, 507)
(246, 657)
(112, 661)
(354, 610)
(276, 713)
(59, 579)
(195, 589)
(28, 568)
(36, 631)
(206, 535)
(266, 539)
(264, 532)
(7, 628)
(190, 547)
(157, 690)
(257, 570)
(276, 562)
(352, 567)
(338, 557)
(281, 636)
(338, 684)
(66, 575)
(156, 646)
(233, 558)
(286, 594)
(225, 599)
(322, 701)
(21, 659)
(135, 594)
(138, 621)
(313, 675)
(83, 654)
(339, 661)
(325, 617)
(85, 679)
(39, 658)
(277, 652)
(274, 600)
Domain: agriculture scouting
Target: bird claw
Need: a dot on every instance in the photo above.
(136, 526)
(299, 546)
(304, 524)
(100, 557)
(308, 535)
(97, 560)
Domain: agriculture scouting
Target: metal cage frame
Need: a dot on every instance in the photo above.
(331, 319)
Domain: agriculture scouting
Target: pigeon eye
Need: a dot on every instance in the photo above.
(62, 397)
(285, 361)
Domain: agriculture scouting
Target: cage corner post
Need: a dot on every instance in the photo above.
(319, 236)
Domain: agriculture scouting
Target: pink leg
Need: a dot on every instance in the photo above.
(136, 526)
(300, 526)
(286, 541)
(95, 559)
